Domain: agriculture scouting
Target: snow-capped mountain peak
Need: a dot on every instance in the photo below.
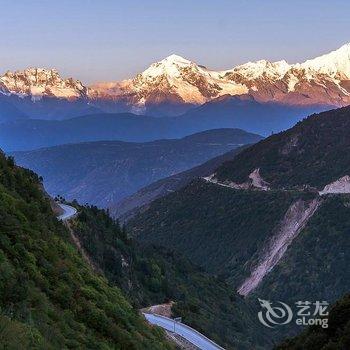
(323, 80)
(176, 59)
(335, 64)
(170, 66)
(183, 81)
(39, 82)
(254, 70)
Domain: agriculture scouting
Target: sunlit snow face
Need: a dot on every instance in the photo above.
(197, 84)
(37, 82)
(184, 80)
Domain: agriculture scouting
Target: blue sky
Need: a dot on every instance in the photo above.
(112, 40)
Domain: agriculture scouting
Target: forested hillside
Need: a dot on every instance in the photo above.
(49, 297)
(336, 336)
(232, 232)
(315, 152)
(315, 268)
(218, 228)
(317, 264)
(150, 274)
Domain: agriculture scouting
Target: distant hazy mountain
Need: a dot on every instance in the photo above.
(227, 112)
(244, 112)
(129, 206)
(34, 133)
(105, 172)
(8, 112)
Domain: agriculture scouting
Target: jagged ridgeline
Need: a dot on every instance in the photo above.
(49, 297)
(274, 222)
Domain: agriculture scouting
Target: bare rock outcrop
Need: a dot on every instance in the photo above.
(295, 219)
(341, 185)
(258, 181)
(255, 181)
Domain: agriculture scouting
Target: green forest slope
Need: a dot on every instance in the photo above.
(149, 274)
(315, 152)
(49, 297)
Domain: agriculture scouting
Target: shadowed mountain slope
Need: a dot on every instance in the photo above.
(104, 172)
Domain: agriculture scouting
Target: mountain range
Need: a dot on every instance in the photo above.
(273, 221)
(291, 188)
(174, 85)
(216, 218)
(229, 112)
(320, 81)
(81, 284)
(268, 221)
(104, 172)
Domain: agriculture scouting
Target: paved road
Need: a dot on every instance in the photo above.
(190, 334)
(184, 331)
(68, 212)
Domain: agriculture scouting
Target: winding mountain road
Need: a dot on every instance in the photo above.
(190, 334)
(68, 212)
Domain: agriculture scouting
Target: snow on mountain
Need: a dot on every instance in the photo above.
(192, 83)
(321, 81)
(39, 82)
(173, 79)
(336, 64)
(177, 81)
(254, 70)
(170, 66)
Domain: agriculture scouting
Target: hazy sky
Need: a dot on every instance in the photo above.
(112, 40)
